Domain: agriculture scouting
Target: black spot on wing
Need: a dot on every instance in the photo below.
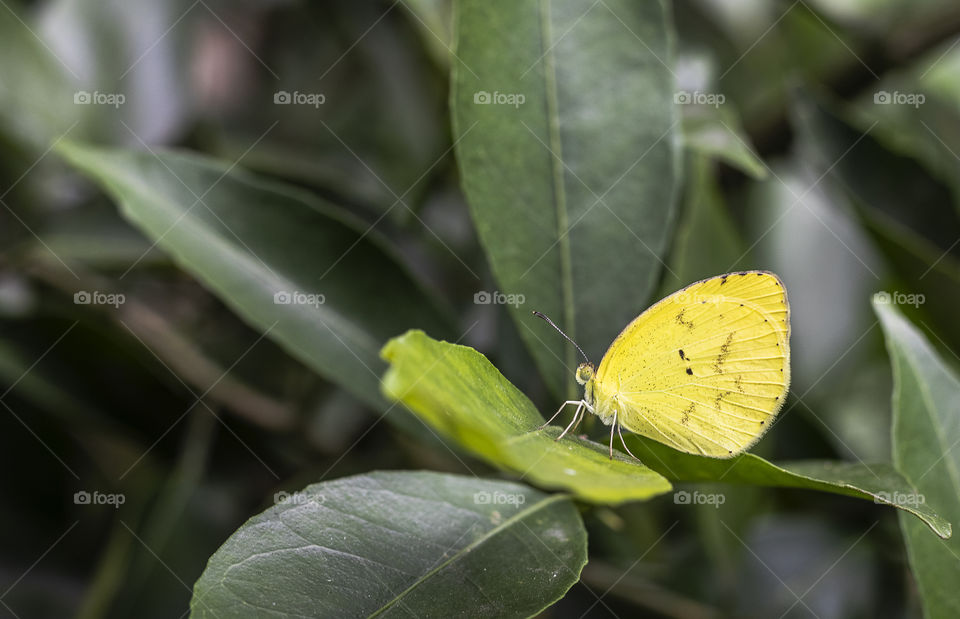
(689, 371)
(682, 356)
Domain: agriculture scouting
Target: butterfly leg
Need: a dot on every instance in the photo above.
(576, 419)
(612, 426)
(562, 406)
(624, 443)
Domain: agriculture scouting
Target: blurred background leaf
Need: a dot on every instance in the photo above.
(223, 226)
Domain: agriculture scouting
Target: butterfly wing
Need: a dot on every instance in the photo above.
(706, 369)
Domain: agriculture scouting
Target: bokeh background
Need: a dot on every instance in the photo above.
(821, 142)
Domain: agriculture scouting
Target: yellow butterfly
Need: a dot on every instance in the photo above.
(704, 370)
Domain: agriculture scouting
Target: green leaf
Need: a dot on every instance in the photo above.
(716, 133)
(879, 482)
(36, 92)
(711, 124)
(96, 237)
(924, 268)
(926, 430)
(379, 141)
(103, 57)
(706, 235)
(457, 390)
(927, 131)
(572, 188)
(249, 240)
(399, 544)
(908, 212)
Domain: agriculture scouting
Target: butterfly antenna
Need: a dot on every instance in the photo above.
(550, 322)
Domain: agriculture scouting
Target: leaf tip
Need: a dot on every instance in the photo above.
(391, 349)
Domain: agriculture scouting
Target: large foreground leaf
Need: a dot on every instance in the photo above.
(457, 390)
(926, 431)
(399, 544)
(573, 187)
(878, 482)
(264, 249)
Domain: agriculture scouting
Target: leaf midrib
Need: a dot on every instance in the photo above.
(559, 188)
(468, 548)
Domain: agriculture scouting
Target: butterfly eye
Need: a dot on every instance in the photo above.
(584, 373)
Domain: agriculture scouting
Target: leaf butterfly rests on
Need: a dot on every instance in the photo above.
(704, 370)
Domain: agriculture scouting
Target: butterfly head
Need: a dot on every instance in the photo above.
(585, 372)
